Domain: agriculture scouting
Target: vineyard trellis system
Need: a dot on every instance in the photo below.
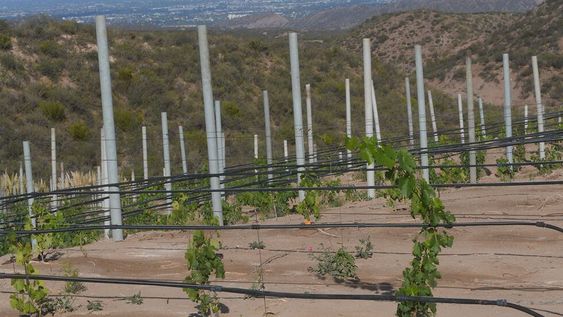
(105, 205)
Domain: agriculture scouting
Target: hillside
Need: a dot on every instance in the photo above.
(447, 38)
(49, 78)
(346, 17)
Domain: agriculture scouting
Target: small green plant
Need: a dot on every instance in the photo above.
(505, 171)
(422, 275)
(203, 261)
(54, 111)
(94, 305)
(79, 131)
(310, 206)
(30, 296)
(257, 245)
(341, 265)
(365, 249)
(72, 287)
(135, 299)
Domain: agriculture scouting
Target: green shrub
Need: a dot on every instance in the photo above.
(202, 262)
(79, 131)
(365, 249)
(126, 120)
(51, 68)
(51, 48)
(53, 110)
(5, 42)
(340, 265)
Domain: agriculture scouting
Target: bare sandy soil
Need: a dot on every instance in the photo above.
(521, 264)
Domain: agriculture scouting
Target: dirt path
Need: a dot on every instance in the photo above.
(521, 264)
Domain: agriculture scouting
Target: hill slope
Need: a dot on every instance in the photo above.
(447, 38)
(49, 78)
(346, 17)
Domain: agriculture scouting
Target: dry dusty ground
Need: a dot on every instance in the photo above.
(521, 264)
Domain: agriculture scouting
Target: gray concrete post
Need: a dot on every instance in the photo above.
(375, 113)
(219, 132)
(20, 179)
(310, 141)
(409, 111)
(166, 159)
(268, 133)
(183, 150)
(29, 186)
(539, 104)
(286, 154)
(507, 105)
(471, 121)
(145, 154)
(109, 128)
(432, 117)
(210, 123)
(461, 123)
(104, 167)
(525, 119)
(420, 95)
(348, 119)
(368, 111)
(482, 117)
(297, 111)
(54, 202)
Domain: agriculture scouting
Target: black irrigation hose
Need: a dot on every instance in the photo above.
(539, 224)
(262, 293)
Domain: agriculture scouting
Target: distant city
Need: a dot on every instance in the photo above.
(167, 13)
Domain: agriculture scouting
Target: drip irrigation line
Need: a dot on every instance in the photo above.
(255, 226)
(263, 293)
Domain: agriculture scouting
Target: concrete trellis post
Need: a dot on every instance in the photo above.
(29, 186)
(432, 117)
(133, 183)
(268, 133)
(104, 168)
(460, 111)
(109, 128)
(20, 179)
(525, 119)
(220, 148)
(54, 202)
(286, 155)
(507, 105)
(375, 113)
(409, 111)
(482, 117)
(368, 111)
(63, 185)
(309, 124)
(420, 95)
(183, 150)
(348, 119)
(297, 111)
(470, 121)
(166, 159)
(256, 146)
(539, 105)
(210, 122)
(145, 154)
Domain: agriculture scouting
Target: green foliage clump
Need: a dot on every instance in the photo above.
(53, 110)
(5, 42)
(552, 153)
(257, 245)
(505, 171)
(341, 265)
(30, 296)
(365, 249)
(203, 261)
(79, 131)
(310, 206)
(422, 275)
